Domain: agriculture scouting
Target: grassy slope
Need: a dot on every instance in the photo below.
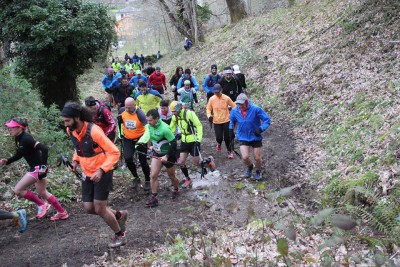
(331, 67)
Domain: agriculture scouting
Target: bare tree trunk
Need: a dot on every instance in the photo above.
(185, 19)
(237, 10)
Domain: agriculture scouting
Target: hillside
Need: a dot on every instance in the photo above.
(327, 72)
(332, 69)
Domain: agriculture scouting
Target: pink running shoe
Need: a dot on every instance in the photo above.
(42, 210)
(218, 147)
(230, 155)
(60, 216)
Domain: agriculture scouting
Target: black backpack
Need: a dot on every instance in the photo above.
(210, 82)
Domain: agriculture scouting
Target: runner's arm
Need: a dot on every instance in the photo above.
(44, 150)
(110, 121)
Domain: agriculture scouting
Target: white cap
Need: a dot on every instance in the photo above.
(236, 69)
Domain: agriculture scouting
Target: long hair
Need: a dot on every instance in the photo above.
(177, 71)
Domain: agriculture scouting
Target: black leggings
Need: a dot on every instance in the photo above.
(129, 149)
(222, 133)
(4, 215)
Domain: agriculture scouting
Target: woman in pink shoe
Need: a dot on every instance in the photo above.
(35, 155)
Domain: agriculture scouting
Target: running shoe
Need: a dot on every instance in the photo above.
(175, 193)
(146, 186)
(60, 216)
(230, 155)
(135, 183)
(218, 148)
(151, 202)
(42, 210)
(248, 171)
(21, 221)
(211, 164)
(122, 220)
(258, 175)
(118, 241)
(187, 183)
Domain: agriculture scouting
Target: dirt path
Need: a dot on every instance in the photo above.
(79, 239)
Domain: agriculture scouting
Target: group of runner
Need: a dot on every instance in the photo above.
(149, 126)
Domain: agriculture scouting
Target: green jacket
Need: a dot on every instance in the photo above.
(161, 137)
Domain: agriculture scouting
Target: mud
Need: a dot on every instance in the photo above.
(217, 203)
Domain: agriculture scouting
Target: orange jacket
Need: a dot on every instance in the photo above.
(218, 108)
(108, 153)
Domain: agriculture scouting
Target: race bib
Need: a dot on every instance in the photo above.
(130, 125)
(156, 147)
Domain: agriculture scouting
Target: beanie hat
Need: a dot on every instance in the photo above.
(213, 67)
(110, 70)
(186, 82)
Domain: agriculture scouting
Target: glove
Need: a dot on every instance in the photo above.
(258, 132)
(231, 134)
(210, 119)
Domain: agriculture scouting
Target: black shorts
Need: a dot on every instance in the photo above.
(171, 160)
(190, 148)
(97, 191)
(253, 144)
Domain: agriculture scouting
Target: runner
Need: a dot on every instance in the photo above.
(160, 140)
(96, 155)
(157, 81)
(210, 80)
(186, 95)
(35, 154)
(218, 114)
(122, 92)
(107, 82)
(173, 82)
(18, 217)
(191, 136)
(165, 112)
(102, 116)
(250, 122)
(146, 98)
(133, 123)
(230, 84)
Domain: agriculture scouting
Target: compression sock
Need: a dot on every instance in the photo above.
(29, 195)
(53, 201)
(185, 172)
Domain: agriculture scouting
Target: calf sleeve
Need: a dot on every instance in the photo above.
(53, 201)
(29, 195)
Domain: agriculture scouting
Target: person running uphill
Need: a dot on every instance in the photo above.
(160, 140)
(133, 123)
(102, 116)
(146, 98)
(251, 122)
(35, 154)
(96, 155)
(218, 114)
(191, 137)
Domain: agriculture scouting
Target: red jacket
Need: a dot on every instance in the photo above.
(157, 80)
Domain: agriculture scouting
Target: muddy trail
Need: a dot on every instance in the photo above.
(213, 203)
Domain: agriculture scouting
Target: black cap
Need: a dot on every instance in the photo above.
(213, 67)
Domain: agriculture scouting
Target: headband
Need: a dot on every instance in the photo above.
(70, 112)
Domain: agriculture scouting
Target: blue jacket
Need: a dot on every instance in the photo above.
(246, 126)
(115, 83)
(107, 81)
(210, 89)
(194, 84)
(135, 79)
